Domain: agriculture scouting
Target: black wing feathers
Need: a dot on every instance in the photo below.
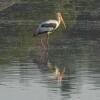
(49, 25)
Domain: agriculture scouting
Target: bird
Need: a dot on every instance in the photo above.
(49, 26)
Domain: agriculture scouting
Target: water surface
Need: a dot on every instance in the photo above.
(27, 71)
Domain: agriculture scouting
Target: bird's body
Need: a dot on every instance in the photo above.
(47, 27)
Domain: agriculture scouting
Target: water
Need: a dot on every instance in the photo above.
(31, 76)
(27, 71)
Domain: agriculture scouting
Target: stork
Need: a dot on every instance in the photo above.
(49, 26)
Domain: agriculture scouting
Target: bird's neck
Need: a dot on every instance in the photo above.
(59, 20)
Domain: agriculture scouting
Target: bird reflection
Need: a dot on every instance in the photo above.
(44, 64)
(58, 71)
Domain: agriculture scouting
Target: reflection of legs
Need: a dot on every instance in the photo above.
(44, 57)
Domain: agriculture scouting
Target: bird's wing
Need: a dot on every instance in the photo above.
(49, 23)
(53, 25)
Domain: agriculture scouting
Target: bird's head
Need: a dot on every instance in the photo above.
(61, 19)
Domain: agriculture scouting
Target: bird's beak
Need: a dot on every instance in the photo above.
(62, 20)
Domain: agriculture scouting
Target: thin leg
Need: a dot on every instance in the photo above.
(47, 41)
(44, 41)
(41, 42)
(43, 45)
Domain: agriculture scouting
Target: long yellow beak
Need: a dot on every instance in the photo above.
(62, 20)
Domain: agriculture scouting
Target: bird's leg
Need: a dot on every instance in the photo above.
(42, 43)
(47, 40)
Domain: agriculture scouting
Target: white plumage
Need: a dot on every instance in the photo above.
(47, 26)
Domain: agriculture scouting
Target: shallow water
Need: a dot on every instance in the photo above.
(30, 76)
(27, 71)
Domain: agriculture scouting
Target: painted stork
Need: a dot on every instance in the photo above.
(49, 26)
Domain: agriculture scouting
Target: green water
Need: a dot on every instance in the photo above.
(27, 71)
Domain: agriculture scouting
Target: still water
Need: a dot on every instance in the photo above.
(27, 72)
